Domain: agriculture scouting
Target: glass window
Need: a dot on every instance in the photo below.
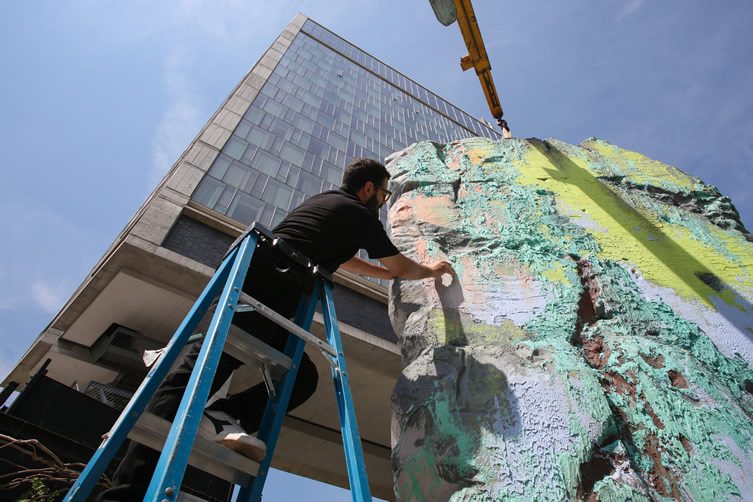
(224, 200)
(331, 173)
(254, 115)
(317, 147)
(208, 192)
(280, 129)
(303, 83)
(248, 185)
(293, 102)
(245, 208)
(260, 185)
(260, 137)
(278, 217)
(267, 215)
(303, 123)
(285, 85)
(298, 197)
(274, 108)
(357, 138)
(310, 99)
(308, 184)
(282, 174)
(325, 120)
(337, 141)
(219, 166)
(242, 128)
(310, 164)
(249, 154)
(277, 194)
(292, 153)
(266, 163)
(235, 148)
(235, 175)
(269, 89)
(293, 174)
(266, 121)
(276, 146)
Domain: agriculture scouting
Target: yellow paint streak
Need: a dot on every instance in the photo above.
(666, 255)
(478, 154)
(640, 169)
(557, 274)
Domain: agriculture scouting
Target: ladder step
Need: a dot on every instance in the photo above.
(242, 346)
(208, 456)
(250, 350)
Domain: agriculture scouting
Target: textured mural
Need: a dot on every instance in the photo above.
(597, 342)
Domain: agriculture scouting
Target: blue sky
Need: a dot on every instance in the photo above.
(99, 98)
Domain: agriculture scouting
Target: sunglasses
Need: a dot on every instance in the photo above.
(387, 193)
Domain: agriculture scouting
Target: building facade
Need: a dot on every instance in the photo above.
(311, 104)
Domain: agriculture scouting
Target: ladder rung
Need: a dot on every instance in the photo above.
(285, 323)
(208, 456)
(249, 349)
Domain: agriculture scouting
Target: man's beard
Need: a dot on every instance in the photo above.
(373, 205)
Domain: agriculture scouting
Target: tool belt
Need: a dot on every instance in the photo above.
(284, 255)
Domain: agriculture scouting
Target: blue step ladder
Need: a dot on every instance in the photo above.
(182, 444)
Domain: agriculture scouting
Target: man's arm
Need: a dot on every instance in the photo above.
(398, 265)
(403, 267)
(362, 267)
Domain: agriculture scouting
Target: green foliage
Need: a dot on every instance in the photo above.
(40, 492)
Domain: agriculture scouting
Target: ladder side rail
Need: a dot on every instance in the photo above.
(274, 413)
(172, 463)
(89, 477)
(359, 483)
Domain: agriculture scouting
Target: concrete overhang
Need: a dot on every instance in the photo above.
(150, 289)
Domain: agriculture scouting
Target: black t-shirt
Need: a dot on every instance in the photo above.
(331, 227)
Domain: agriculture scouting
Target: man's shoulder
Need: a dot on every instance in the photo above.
(334, 197)
(336, 193)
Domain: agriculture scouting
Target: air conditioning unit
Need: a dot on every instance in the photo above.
(110, 395)
(123, 348)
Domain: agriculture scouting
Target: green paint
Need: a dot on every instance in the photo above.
(519, 207)
(607, 490)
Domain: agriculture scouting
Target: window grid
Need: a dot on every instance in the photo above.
(317, 111)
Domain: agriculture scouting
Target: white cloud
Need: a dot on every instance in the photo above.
(43, 256)
(181, 120)
(235, 23)
(47, 296)
(630, 7)
(230, 20)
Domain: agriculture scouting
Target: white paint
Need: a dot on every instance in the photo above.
(722, 326)
(539, 438)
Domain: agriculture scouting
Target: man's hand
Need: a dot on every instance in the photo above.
(439, 268)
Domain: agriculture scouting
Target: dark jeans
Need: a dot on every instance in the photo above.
(277, 286)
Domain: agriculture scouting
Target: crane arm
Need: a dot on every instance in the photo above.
(476, 57)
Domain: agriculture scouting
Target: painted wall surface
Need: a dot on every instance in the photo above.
(597, 342)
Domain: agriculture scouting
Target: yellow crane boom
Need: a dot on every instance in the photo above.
(449, 11)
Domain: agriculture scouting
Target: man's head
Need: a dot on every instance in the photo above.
(367, 179)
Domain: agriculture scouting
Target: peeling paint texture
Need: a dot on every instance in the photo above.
(597, 343)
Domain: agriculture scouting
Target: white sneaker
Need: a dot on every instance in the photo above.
(221, 428)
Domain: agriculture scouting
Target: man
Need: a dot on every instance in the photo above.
(329, 229)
